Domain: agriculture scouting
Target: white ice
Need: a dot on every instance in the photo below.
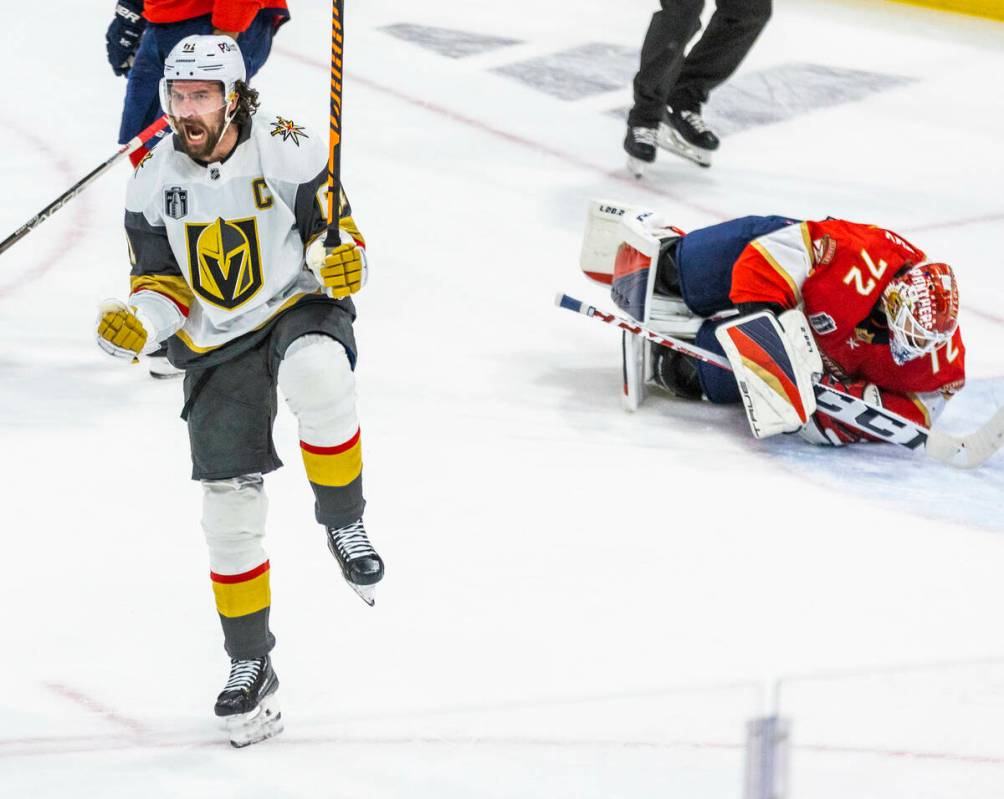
(579, 602)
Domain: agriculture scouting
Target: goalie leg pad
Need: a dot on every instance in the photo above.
(634, 354)
(773, 370)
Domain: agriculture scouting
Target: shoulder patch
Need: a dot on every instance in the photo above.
(288, 129)
(142, 162)
(824, 249)
(822, 323)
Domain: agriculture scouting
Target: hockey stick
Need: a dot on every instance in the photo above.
(333, 238)
(964, 451)
(131, 146)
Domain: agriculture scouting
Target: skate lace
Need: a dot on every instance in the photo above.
(695, 120)
(352, 542)
(644, 135)
(243, 674)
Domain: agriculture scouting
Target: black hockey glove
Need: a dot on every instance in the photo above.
(122, 38)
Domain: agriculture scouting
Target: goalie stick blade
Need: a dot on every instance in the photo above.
(972, 450)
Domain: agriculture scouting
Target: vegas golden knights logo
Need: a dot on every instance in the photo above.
(224, 261)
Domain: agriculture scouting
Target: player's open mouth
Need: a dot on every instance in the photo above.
(195, 133)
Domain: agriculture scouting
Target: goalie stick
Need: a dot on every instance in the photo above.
(142, 138)
(965, 452)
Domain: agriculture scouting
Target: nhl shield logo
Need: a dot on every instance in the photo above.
(175, 202)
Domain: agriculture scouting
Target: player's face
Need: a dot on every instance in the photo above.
(198, 111)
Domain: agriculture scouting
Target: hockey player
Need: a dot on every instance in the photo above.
(225, 228)
(670, 88)
(883, 317)
(142, 34)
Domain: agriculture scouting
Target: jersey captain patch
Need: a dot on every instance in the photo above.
(224, 261)
(288, 129)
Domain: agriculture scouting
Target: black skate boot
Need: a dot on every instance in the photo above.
(249, 703)
(676, 373)
(685, 133)
(160, 367)
(362, 567)
(639, 144)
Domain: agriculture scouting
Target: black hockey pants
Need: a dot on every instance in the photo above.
(666, 77)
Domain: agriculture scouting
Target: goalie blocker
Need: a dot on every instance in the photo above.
(775, 362)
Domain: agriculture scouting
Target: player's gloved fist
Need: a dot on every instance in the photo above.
(341, 271)
(121, 332)
(123, 35)
(828, 432)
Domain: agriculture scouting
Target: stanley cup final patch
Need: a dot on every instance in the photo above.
(224, 261)
(822, 323)
(175, 202)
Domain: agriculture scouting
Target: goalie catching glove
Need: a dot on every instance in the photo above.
(341, 271)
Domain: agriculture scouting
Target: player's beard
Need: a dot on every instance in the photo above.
(199, 135)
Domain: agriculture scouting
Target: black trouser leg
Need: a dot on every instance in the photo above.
(730, 34)
(662, 58)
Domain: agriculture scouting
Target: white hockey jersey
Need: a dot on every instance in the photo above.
(217, 249)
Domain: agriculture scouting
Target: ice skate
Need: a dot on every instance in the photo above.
(161, 368)
(686, 134)
(362, 567)
(248, 705)
(675, 372)
(639, 144)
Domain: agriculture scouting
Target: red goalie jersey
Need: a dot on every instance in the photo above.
(842, 272)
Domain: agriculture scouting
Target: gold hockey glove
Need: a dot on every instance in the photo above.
(120, 332)
(342, 271)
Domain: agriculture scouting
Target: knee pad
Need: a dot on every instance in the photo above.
(233, 519)
(320, 389)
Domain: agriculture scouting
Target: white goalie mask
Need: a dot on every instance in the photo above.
(922, 308)
(191, 64)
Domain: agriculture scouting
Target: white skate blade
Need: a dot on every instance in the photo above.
(260, 724)
(367, 593)
(160, 369)
(669, 140)
(636, 166)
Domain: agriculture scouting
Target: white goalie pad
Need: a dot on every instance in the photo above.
(635, 360)
(601, 240)
(620, 250)
(621, 245)
(775, 363)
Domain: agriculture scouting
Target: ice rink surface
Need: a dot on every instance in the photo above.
(579, 602)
